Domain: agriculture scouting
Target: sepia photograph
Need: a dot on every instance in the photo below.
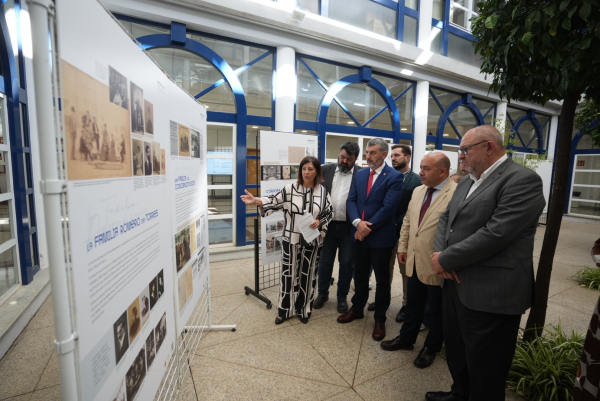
(145, 305)
(285, 173)
(161, 284)
(184, 140)
(155, 158)
(271, 173)
(137, 158)
(97, 132)
(160, 332)
(270, 244)
(293, 172)
(193, 237)
(195, 137)
(121, 337)
(182, 248)
(153, 289)
(121, 394)
(137, 109)
(271, 227)
(150, 350)
(181, 291)
(295, 154)
(189, 284)
(136, 375)
(147, 158)
(118, 88)
(163, 163)
(133, 316)
(149, 126)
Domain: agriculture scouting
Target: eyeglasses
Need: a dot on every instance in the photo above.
(464, 150)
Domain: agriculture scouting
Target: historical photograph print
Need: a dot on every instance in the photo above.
(136, 374)
(199, 232)
(137, 109)
(271, 227)
(133, 316)
(160, 332)
(193, 237)
(280, 225)
(121, 337)
(149, 116)
(189, 284)
(181, 290)
(145, 304)
(137, 158)
(163, 163)
(195, 138)
(121, 394)
(311, 152)
(184, 140)
(97, 130)
(271, 173)
(161, 283)
(147, 158)
(293, 172)
(153, 289)
(118, 88)
(270, 243)
(155, 158)
(150, 350)
(201, 258)
(278, 243)
(285, 173)
(182, 248)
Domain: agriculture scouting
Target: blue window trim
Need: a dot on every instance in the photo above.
(448, 29)
(531, 116)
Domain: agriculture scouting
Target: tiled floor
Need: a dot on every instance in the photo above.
(322, 360)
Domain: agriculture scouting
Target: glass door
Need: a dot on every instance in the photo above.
(9, 261)
(220, 151)
(585, 194)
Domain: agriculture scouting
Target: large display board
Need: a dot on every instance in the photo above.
(281, 154)
(135, 149)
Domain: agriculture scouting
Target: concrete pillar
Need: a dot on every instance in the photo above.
(425, 15)
(285, 89)
(552, 137)
(501, 117)
(420, 131)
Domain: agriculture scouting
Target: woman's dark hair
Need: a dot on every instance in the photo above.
(316, 164)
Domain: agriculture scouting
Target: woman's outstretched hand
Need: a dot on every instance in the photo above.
(249, 199)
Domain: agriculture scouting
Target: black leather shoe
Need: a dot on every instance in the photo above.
(371, 307)
(350, 316)
(279, 320)
(304, 320)
(441, 396)
(320, 301)
(342, 306)
(425, 358)
(395, 345)
(400, 316)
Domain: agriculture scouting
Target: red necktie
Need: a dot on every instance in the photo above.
(369, 185)
(425, 206)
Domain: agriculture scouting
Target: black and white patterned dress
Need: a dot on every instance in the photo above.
(299, 263)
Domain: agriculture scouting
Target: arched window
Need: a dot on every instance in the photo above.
(529, 129)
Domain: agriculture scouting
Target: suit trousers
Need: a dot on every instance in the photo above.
(366, 257)
(479, 348)
(421, 295)
(338, 237)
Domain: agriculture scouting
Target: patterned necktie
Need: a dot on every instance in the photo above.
(425, 206)
(369, 185)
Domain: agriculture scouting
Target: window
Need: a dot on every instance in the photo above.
(585, 195)
(365, 14)
(462, 49)
(527, 137)
(461, 12)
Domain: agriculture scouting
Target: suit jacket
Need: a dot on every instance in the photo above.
(417, 240)
(379, 207)
(411, 181)
(328, 173)
(488, 239)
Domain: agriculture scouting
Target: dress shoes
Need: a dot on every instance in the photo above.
(371, 307)
(342, 306)
(379, 331)
(400, 316)
(425, 358)
(349, 316)
(441, 396)
(320, 301)
(395, 345)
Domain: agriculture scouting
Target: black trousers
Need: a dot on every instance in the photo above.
(419, 296)
(479, 348)
(366, 256)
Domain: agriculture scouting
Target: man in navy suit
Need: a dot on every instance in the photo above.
(372, 203)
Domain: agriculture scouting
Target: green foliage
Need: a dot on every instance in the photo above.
(589, 276)
(545, 368)
(589, 112)
(539, 50)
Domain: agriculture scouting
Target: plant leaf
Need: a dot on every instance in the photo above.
(572, 11)
(585, 10)
(554, 60)
(527, 38)
(552, 31)
(563, 5)
(491, 21)
(566, 24)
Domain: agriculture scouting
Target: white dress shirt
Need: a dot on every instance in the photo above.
(377, 172)
(484, 175)
(339, 192)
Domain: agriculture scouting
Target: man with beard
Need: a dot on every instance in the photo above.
(401, 155)
(338, 179)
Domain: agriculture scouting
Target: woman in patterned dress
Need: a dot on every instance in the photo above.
(299, 263)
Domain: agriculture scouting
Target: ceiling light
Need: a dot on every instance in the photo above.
(359, 104)
(304, 131)
(350, 122)
(402, 129)
(305, 90)
(446, 134)
(254, 126)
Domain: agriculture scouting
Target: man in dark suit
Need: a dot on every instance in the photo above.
(338, 179)
(372, 203)
(484, 251)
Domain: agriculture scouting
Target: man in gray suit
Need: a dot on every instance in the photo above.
(338, 179)
(484, 251)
